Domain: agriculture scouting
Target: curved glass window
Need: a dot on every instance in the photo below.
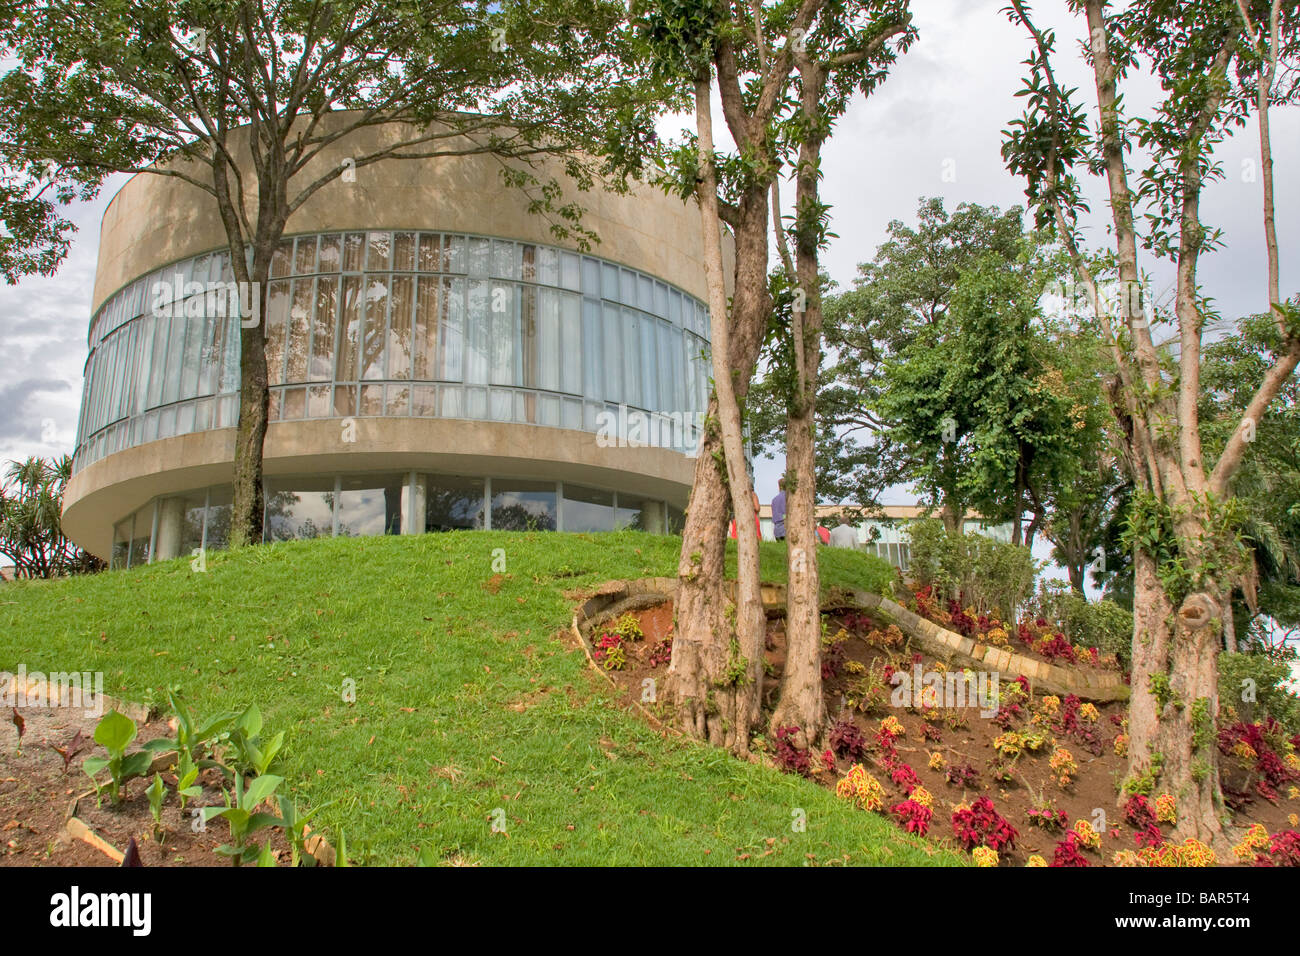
(403, 323)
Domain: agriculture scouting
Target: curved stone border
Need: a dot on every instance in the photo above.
(949, 646)
(1088, 684)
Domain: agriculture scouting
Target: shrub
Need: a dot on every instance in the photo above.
(1067, 852)
(981, 825)
(1273, 697)
(847, 740)
(971, 568)
(788, 757)
(661, 653)
(1100, 624)
(913, 816)
(1283, 850)
(862, 788)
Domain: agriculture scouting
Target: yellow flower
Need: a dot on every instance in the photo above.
(1294, 820)
(922, 796)
(984, 856)
(1035, 860)
(1127, 858)
(937, 761)
(1121, 745)
(1051, 705)
(1244, 750)
(1089, 713)
(1063, 765)
(892, 726)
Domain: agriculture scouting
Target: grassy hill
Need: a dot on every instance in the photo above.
(466, 701)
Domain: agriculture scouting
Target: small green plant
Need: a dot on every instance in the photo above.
(295, 828)
(628, 627)
(187, 773)
(157, 792)
(114, 733)
(243, 818)
(253, 753)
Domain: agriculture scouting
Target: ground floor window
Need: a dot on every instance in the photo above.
(318, 506)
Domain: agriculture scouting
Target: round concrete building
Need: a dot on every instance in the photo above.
(437, 360)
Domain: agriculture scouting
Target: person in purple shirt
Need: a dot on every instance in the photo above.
(778, 512)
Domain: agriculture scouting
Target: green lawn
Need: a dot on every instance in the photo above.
(465, 699)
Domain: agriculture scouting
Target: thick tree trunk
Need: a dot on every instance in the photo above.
(247, 507)
(716, 676)
(1175, 701)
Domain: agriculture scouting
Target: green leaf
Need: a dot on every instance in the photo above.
(250, 721)
(266, 857)
(136, 765)
(115, 732)
(260, 789)
(93, 765)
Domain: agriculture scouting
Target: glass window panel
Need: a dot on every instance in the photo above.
(548, 410)
(528, 336)
(528, 263)
(590, 277)
(372, 399)
(593, 379)
(430, 252)
(167, 422)
(479, 251)
(185, 419)
(476, 334)
(299, 330)
(452, 399)
(676, 520)
(667, 369)
(451, 330)
(193, 357)
(426, 329)
(548, 340)
(318, 401)
(349, 344)
(453, 254)
(614, 381)
(218, 519)
(571, 413)
(548, 265)
(404, 251)
(503, 260)
(649, 363)
(192, 523)
(300, 508)
(609, 281)
(230, 361)
(424, 401)
(399, 328)
(645, 293)
(569, 277)
(631, 358)
(175, 360)
(587, 509)
(324, 329)
(476, 404)
(295, 404)
(378, 251)
(354, 251)
(277, 316)
(330, 253)
(370, 505)
(661, 300)
(632, 513)
(571, 351)
(280, 259)
(304, 257)
(345, 400)
(202, 419)
(141, 536)
(627, 287)
(214, 327)
(397, 400)
(523, 505)
(503, 405)
(452, 503)
(504, 335)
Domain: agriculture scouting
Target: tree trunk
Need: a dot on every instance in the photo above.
(716, 678)
(254, 399)
(1175, 701)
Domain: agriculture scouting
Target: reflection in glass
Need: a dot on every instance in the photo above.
(301, 509)
(523, 505)
(370, 505)
(587, 509)
(452, 503)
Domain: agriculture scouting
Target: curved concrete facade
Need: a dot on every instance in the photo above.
(429, 341)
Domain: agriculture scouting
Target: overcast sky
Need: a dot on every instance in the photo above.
(933, 129)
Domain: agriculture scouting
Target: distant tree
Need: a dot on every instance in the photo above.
(31, 529)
